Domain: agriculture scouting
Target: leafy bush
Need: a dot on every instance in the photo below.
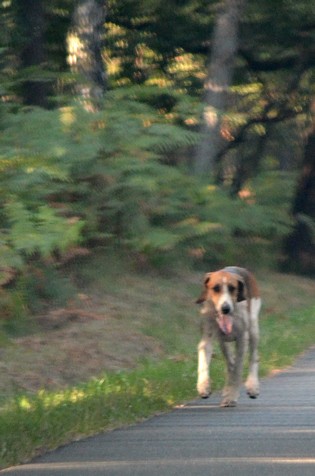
(69, 177)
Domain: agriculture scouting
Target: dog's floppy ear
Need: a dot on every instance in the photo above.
(203, 295)
(241, 290)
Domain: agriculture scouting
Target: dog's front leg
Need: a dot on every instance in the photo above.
(234, 372)
(204, 358)
(252, 382)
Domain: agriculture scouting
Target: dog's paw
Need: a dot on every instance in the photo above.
(228, 403)
(252, 388)
(252, 394)
(230, 396)
(203, 389)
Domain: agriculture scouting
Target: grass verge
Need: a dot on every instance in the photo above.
(33, 424)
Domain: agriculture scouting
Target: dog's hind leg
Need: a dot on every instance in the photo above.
(204, 359)
(252, 382)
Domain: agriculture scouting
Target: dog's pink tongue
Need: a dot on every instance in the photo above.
(225, 323)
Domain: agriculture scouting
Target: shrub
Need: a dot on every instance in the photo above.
(70, 177)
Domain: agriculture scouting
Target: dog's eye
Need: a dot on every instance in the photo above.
(231, 288)
(216, 288)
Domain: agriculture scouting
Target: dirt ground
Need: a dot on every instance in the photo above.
(71, 345)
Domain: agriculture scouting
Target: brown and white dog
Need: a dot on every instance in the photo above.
(230, 309)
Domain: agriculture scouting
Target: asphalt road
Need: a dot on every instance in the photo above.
(273, 435)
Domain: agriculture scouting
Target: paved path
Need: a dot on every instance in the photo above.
(274, 435)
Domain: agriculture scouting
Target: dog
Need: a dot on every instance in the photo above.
(230, 309)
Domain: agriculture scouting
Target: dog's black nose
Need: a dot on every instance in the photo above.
(225, 308)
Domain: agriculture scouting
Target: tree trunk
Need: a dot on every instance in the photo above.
(300, 244)
(85, 50)
(219, 78)
(30, 21)
(247, 163)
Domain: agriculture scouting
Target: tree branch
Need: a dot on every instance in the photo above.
(276, 64)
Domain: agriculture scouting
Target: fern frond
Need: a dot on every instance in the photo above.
(40, 231)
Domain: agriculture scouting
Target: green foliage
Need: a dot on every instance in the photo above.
(42, 286)
(309, 223)
(70, 176)
(247, 229)
(151, 42)
(39, 232)
(102, 178)
(92, 178)
(31, 170)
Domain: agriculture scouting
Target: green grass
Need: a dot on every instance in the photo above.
(48, 420)
(284, 337)
(33, 424)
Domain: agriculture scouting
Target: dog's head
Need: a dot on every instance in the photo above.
(223, 290)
